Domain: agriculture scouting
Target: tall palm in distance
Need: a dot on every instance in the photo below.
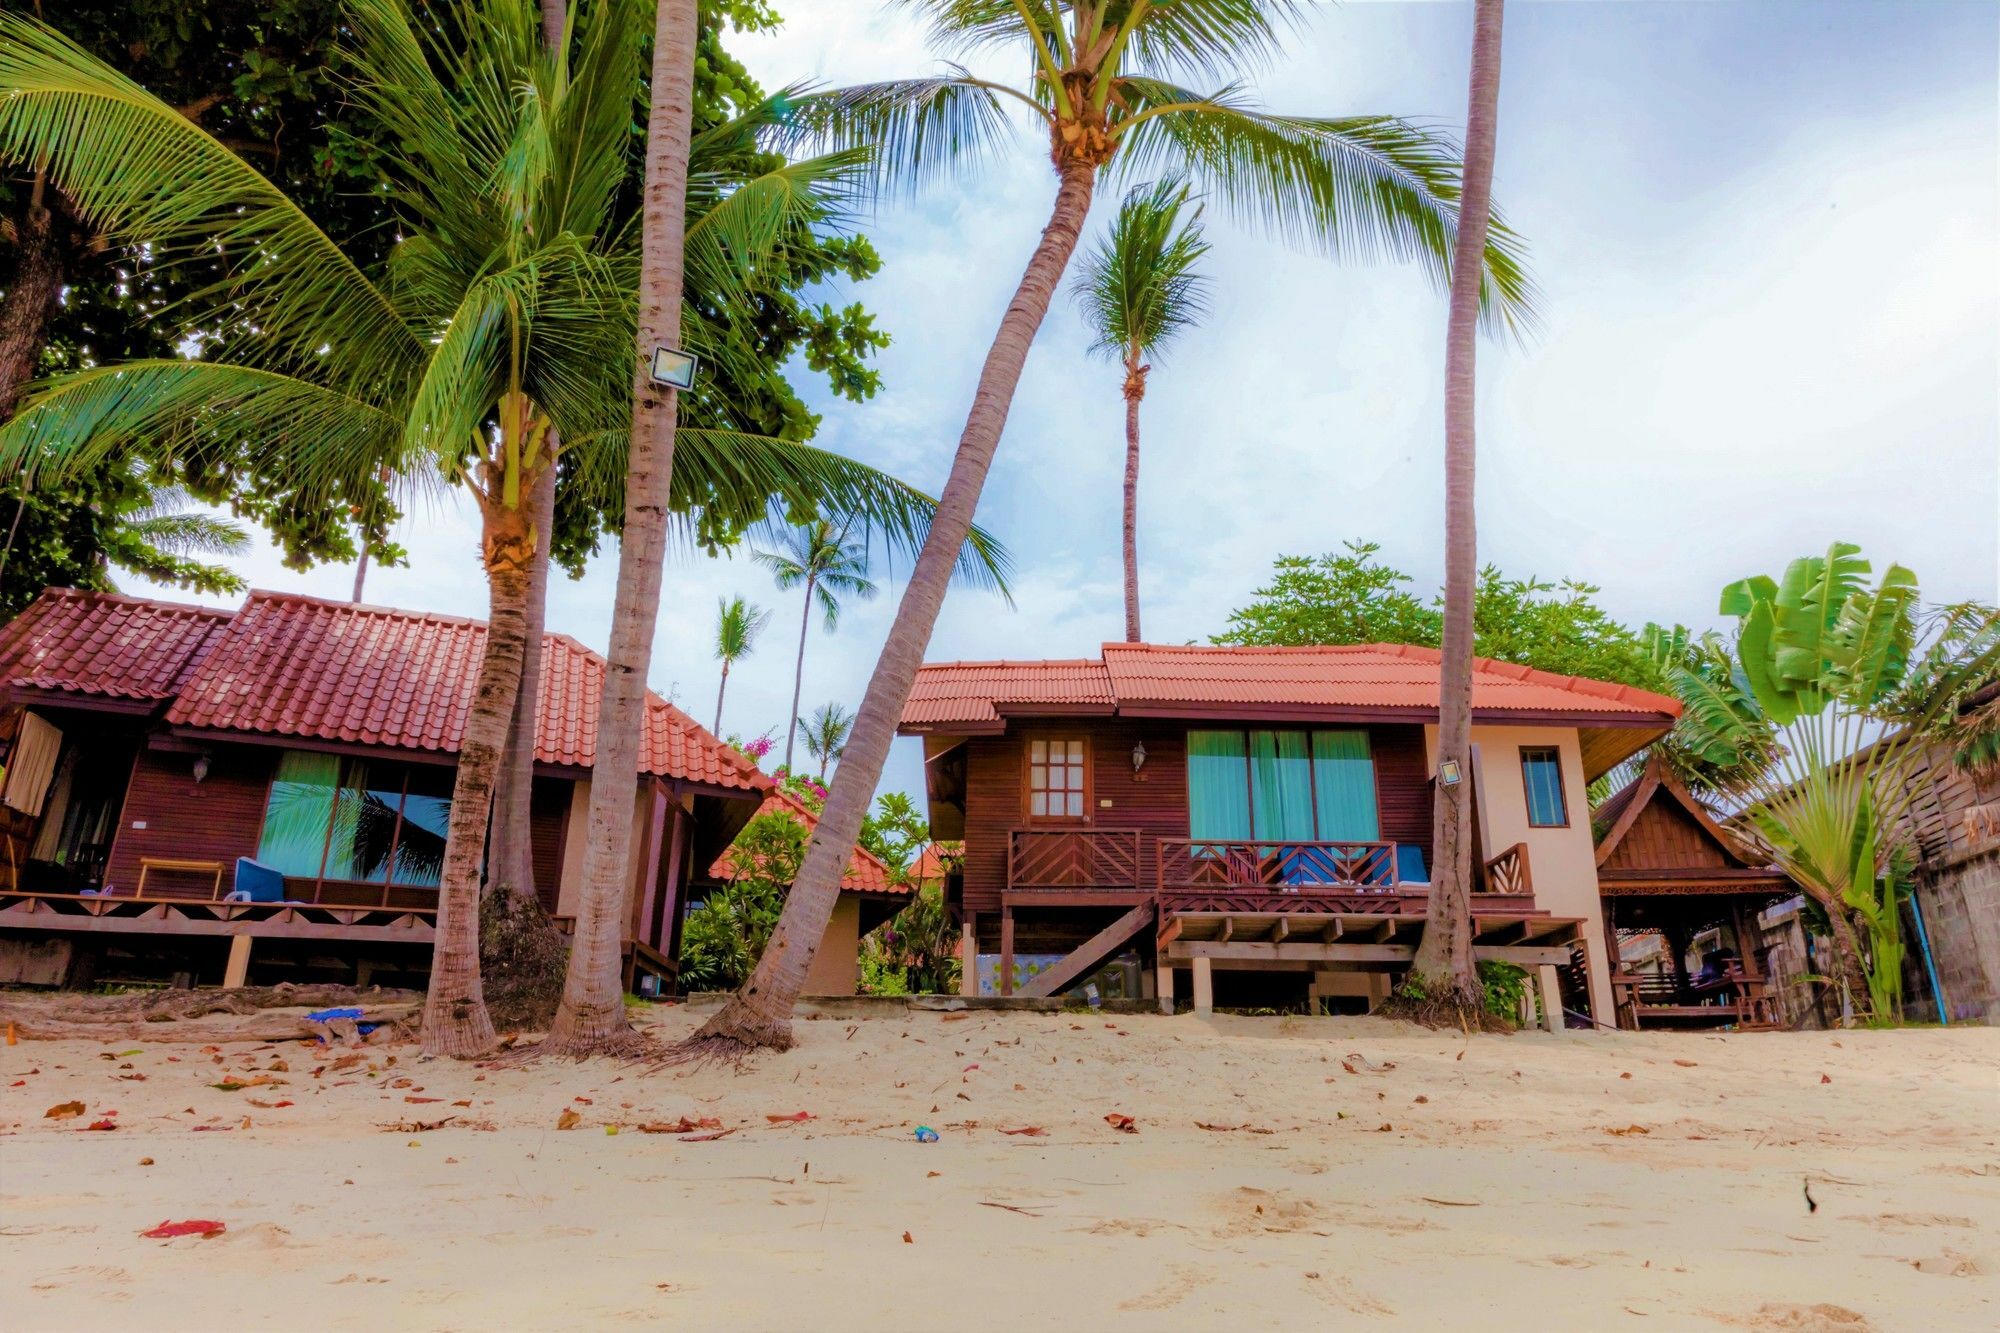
(1139, 291)
(826, 734)
(1104, 89)
(737, 627)
(1443, 983)
(819, 556)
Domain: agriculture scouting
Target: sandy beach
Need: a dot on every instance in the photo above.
(1312, 1173)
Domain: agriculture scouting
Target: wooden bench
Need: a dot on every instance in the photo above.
(150, 864)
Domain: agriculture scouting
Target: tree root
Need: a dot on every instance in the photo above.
(1444, 1010)
(629, 1046)
(730, 1037)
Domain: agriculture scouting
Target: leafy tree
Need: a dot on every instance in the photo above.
(819, 556)
(895, 832)
(1139, 291)
(1824, 654)
(73, 534)
(1351, 597)
(737, 627)
(723, 936)
(1103, 88)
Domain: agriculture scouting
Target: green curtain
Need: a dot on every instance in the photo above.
(1344, 780)
(1218, 794)
(295, 821)
(1280, 786)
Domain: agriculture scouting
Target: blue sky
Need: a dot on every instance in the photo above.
(1769, 240)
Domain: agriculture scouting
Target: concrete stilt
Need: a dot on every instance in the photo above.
(1552, 1009)
(238, 968)
(1204, 987)
(1164, 986)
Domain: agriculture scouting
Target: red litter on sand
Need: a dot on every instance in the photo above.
(192, 1227)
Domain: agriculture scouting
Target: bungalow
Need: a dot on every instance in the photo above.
(181, 781)
(1260, 818)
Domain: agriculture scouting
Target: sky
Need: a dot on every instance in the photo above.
(1768, 240)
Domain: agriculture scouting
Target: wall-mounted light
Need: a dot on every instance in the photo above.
(1138, 756)
(201, 768)
(1448, 773)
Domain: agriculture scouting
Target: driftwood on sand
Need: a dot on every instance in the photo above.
(247, 1013)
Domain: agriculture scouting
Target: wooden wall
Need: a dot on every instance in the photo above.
(1666, 837)
(217, 819)
(1153, 800)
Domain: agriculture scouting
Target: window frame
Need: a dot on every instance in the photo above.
(1312, 782)
(1089, 788)
(1554, 755)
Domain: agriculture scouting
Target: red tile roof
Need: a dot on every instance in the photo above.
(286, 665)
(865, 873)
(105, 645)
(1150, 679)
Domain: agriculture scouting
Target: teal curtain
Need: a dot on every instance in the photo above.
(301, 806)
(1218, 790)
(1344, 783)
(1280, 787)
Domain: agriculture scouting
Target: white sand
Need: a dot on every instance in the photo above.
(1486, 1189)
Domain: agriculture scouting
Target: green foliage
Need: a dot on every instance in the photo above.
(722, 938)
(1503, 986)
(1138, 289)
(825, 733)
(1351, 597)
(918, 947)
(73, 534)
(895, 832)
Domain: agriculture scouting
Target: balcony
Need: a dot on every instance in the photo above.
(1093, 865)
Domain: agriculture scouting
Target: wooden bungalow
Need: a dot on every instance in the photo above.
(1681, 903)
(1259, 819)
(183, 785)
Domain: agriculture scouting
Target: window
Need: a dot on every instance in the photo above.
(356, 820)
(1541, 775)
(1055, 779)
(1281, 786)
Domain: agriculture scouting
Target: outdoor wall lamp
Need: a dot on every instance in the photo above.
(1138, 756)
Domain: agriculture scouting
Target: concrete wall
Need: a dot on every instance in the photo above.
(1562, 861)
(1960, 898)
(836, 968)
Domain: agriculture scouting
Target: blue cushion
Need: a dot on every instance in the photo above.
(1410, 867)
(259, 883)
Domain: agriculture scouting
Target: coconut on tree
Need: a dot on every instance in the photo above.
(491, 351)
(1139, 291)
(819, 556)
(1147, 89)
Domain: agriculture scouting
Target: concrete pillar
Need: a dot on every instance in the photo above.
(1164, 985)
(968, 957)
(1204, 987)
(1552, 1013)
(238, 968)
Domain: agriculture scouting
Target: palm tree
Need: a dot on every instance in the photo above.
(1443, 981)
(826, 734)
(495, 344)
(1102, 90)
(737, 625)
(1139, 291)
(819, 556)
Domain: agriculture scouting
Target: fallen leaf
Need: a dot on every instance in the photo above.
(1685, 1064)
(1384, 1129)
(907, 1240)
(585, 1100)
(1629, 1129)
(568, 1119)
(423, 1099)
(63, 1111)
(1621, 1075)
(792, 1119)
(192, 1227)
(955, 1018)
(418, 1126)
(267, 1106)
(145, 1161)
(1121, 1122)
(101, 1124)
(466, 1102)
(1824, 1079)
(1028, 1131)
(1230, 1129)
(709, 1137)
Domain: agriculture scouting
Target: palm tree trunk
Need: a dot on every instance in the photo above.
(31, 296)
(592, 1016)
(760, 1013)
(1135, 389)
(1443, 967)
(799, 672)
(719, 689)
(455, 1020)
(512, 864)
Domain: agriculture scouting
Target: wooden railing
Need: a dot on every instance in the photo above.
(1508, 873)
(1192, 865)
(1074, 858)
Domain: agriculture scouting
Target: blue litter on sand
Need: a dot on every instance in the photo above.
(330, 1015)
(925, 1134)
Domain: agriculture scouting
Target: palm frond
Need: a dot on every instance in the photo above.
(190, 534)
(1357, 187)
(144, 174)
(1138, 287)
(917, 130)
